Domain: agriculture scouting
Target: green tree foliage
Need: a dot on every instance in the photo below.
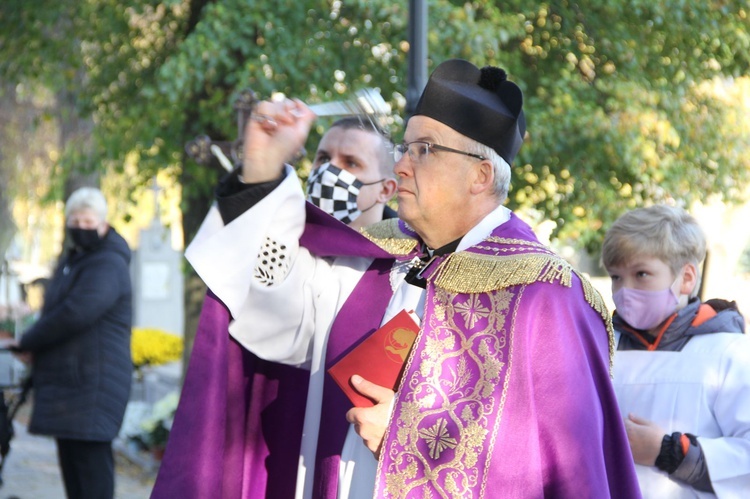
(619, 110)
(617, 92)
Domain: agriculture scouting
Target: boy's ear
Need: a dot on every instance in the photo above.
(689, 279)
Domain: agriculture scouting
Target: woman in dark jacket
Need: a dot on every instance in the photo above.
(80, 349)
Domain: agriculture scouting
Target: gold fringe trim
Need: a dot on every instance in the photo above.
(594, 298)
(467, 272)
(387, 234)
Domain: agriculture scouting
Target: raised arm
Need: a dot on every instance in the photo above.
(275, 133)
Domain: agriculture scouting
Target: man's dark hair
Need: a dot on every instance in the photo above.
(361, 123)
(366, 124)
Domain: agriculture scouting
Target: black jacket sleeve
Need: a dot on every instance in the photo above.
(97, 287)
(234, 198)
(693, 469)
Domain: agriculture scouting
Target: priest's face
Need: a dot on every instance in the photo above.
(435, 189)
(365, 154)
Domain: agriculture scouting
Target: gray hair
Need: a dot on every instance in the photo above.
(502, 168)
(87, 197)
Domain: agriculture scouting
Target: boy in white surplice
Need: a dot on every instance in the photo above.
(682, 367)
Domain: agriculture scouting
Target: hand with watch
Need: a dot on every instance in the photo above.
(673, 450)
(652, 446)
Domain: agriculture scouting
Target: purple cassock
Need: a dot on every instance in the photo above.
(238, 426)
(505, 394)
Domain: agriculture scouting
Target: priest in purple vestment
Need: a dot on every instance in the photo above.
(506, 392)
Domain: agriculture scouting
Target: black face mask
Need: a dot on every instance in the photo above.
(86, 239)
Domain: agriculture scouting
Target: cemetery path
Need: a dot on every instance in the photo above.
(31, 470)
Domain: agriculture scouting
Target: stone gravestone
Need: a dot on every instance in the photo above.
(157, 282)
(158, 302)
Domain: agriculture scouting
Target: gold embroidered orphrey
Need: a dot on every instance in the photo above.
(446, 394)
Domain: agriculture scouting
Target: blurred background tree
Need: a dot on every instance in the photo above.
(628, 102)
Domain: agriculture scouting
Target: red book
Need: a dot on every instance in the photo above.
(379, 358)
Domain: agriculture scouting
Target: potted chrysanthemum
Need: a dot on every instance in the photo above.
(153, 347)
(150, 348)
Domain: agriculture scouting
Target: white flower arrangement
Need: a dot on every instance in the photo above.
(153, 430)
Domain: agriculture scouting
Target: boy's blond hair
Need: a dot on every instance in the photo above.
(665, 232)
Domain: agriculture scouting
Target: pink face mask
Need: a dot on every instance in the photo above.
(645, 309)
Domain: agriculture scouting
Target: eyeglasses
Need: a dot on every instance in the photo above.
(419, 150)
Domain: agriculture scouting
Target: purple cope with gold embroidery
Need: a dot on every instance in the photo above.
(506, 393)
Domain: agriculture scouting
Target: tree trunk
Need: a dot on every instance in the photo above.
(75, 138)
(7, 111)
(195, 204)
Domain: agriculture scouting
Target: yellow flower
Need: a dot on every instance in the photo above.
(151, 346)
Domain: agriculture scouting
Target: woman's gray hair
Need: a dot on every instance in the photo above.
(87, 197)
(502, 168)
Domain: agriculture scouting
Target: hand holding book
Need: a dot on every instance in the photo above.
(379, 358)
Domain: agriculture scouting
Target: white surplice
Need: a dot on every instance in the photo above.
(703, 390)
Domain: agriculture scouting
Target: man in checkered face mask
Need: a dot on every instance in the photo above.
(351, 179)
(352, 176)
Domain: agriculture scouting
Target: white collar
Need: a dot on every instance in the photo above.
(484, 228)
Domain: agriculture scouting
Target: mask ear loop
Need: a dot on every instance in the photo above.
(370, 183)
(696, 282)
(373, 183)
(373, 205)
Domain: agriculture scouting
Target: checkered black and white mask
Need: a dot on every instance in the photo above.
(335, 191)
